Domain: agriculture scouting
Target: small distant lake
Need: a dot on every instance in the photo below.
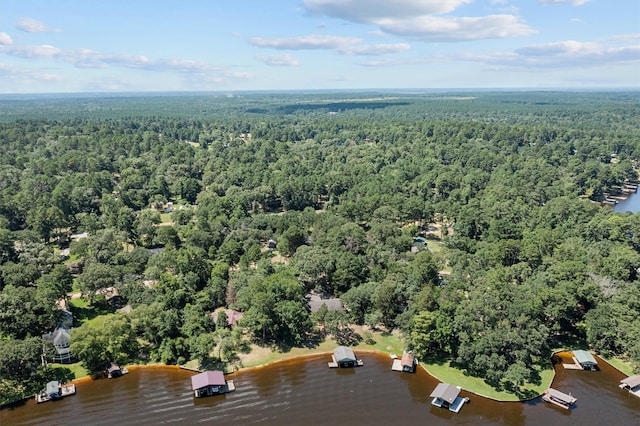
(631, 204)
(306, 392)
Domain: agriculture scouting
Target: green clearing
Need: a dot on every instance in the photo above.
(623, 365)
(77, 369)
(83, 312)
(390, 343)
(445, 373)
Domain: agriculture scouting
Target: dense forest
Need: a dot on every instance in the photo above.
(178, 196)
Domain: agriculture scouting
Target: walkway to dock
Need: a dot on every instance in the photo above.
(575, 366)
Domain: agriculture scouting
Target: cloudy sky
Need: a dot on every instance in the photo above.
(194, 45)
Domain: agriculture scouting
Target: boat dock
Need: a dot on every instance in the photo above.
(632, 384)
(406, 364)
(559, 398)
(210, 383)
(55, 391)
(334, 364)
(575, 366)
(345, 358)
(447, 396)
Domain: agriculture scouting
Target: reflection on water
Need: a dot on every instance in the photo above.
(306, 392)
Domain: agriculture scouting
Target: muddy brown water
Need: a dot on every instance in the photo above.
(306, 392)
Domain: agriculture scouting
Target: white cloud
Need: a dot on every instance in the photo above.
(341, 45)
(368, 11)
(573, 2)
(625, 37)
(8, 69)
(563, 54)
(422, 19)
(456, 29)
(50, 77)
(305, 42)
(283, 60)
(32, 26)
(35, 51)
(374, 50)
(5, 39)
(578, 53)
(87, 58)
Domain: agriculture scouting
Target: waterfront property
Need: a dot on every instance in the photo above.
(585, 360)
(114, 370)
(344, 357)
(61, 340)
(211, 383)
(632, 384)
(558, 398)
(55, 390)
(406, 364)
(446, 396)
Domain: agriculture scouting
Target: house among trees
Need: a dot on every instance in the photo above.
(344, 357)
(61, 340)
(74, 267)
(232, 316)
(316, 301)
(632, 384)
(211, 383)
(585, 359)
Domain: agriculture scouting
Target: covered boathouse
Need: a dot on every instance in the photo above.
(210, 383)
(406, 364)
(558, 398)
(585, 359)
(632, 384)
(446, 396)
(344, 357)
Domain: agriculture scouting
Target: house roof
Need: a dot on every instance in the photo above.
(342, 353)
(53, 387)
(60, 337)
(232, 316)
(631, 381)
(333, 304)
(446, 392)
(584, 357)
(408, 359)
(208, 378)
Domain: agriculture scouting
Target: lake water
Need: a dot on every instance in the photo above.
(306, 392)
(631, 204)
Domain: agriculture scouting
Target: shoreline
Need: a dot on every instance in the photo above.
(377, 352)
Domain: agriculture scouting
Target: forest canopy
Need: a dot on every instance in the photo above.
(178, 197)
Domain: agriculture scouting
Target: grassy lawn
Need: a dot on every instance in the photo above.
(83, 312)
(383, 342)
(445, 373)
(622, 365)
(77, 368)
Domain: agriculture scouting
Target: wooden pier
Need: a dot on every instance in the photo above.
(559, 398)
(55, 390)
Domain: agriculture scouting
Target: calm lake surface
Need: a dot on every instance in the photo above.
(631, 204)
(306, 392)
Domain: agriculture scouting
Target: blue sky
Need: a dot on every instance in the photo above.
(233, 45)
